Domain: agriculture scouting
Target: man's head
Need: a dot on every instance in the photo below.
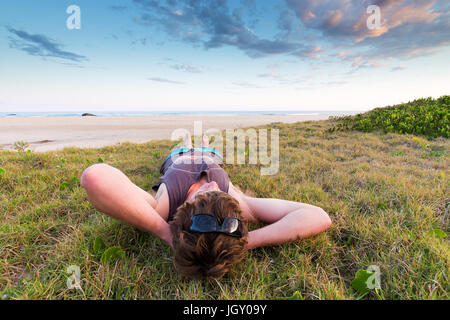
(210, 254)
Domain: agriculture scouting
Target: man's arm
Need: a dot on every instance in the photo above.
(298, 224)
(148, 197)
(288, 220)
(110, 191)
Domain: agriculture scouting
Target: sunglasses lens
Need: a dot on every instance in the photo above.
(230, 225)
(203, 223)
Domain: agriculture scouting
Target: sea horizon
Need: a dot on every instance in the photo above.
(175, 113)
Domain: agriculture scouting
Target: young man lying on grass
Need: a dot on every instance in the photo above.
(199, 212)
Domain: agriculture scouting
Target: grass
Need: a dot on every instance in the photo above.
(387, 194)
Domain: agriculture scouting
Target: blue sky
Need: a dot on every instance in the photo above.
(221, 55)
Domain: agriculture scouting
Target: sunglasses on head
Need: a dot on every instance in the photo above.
(204, 222)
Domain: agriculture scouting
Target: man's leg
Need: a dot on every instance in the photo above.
(111, 192)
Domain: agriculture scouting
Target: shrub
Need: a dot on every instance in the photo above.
(427, 116)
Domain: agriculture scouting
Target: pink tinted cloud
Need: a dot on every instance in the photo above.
(394, 14)
(349, 18)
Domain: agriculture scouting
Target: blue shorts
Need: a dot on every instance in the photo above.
(186, 149)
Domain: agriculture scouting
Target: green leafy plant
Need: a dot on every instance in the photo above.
(99, 246)
(2, 172)
(437, 233)
(112, 254)
(20, 146)
(360, 283)
(428, 117)
(107, 254)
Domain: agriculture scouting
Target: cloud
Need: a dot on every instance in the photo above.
(408, 28)
(310, 52)
(157, 79)
(334, 83)
(118, 8)
(307, 29)
(210, 23)
(345, 18)
(248, 85)
(281, 79)
(186, 68)
(142, 41)
(397, 14)
(398, 68)
(40, 45)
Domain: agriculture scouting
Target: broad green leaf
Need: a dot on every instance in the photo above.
(359, 283)
(99, 246)
(112, 254)
(100, 160)
(2, 172)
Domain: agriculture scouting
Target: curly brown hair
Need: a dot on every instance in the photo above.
(207, 255)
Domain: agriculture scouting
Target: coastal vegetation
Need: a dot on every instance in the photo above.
(383, 183)
(427, 117)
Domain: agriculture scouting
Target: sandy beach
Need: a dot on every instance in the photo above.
(53, 133)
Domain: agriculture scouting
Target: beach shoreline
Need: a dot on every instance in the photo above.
(55, 133)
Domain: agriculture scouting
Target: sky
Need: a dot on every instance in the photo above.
(145, 55)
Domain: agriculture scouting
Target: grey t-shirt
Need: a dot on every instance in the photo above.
(181, 171)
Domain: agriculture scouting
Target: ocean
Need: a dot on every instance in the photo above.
(171, 113)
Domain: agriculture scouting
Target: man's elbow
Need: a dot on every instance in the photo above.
(317, 221)
(324, 220)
